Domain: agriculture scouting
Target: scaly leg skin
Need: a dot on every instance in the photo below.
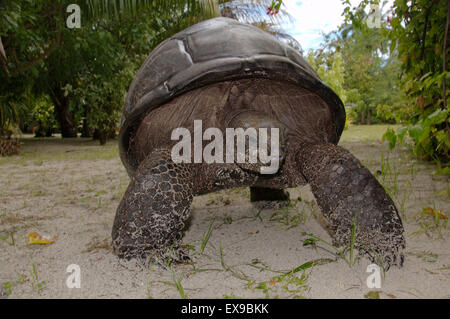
(343, 188)
(150, 218)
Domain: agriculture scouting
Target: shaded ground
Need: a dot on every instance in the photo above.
(71, 188)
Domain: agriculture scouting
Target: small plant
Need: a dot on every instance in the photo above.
(351, 260)
(372, 295)
(178, 285)
(263, 286)
(430, 220)
(290, 282)
(150, 271)
(6, 289)
(427, 256)
(37, 285)
(225, 267)
(389, 176)
(228, 220)
(206, 237)
(9, 237)
(285, 217)
(429, 133)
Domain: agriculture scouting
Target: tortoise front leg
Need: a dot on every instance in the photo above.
(150, 218)
(344, 188)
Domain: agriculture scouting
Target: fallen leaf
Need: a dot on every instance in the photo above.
(272, 282)
(36, 239)
(434, 212)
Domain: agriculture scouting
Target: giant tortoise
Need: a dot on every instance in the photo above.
(227, 74)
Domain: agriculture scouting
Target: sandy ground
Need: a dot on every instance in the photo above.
(71, 189)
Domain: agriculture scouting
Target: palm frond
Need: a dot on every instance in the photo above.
(114, 8)
(10, 113)
(251, 11)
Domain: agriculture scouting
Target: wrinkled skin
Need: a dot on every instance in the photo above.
(150, 218)
(343, 189)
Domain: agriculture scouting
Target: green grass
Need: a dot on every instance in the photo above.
(225, 267)
(57, 149)
(290, 216)
(38, 285)
(366, 133)
(177, 281)
(8, 286)
(206, 237)
(312, 240)
(430, 225)
(292, 282)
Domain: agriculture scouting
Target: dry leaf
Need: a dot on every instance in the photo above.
(434, 212)
(36, 239)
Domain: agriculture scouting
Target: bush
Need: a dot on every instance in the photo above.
(430, 136)
(41, 118)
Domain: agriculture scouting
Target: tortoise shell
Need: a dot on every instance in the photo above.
(215, 50)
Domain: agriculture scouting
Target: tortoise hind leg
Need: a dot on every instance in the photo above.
(344, 188)
(150, 218)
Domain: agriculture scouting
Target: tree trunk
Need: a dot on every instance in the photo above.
(63, 115)
(102, 135)
(86, 132)
(362, 119)
(96, 134)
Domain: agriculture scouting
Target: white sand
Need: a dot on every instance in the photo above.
(75, 196)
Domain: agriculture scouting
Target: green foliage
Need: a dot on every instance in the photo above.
(419, 33)
(90, 68)
(367, 77)
(40, 56)
(416, 32)
(9, 115)
(41, 117)
(428, 140)
(331, 70)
